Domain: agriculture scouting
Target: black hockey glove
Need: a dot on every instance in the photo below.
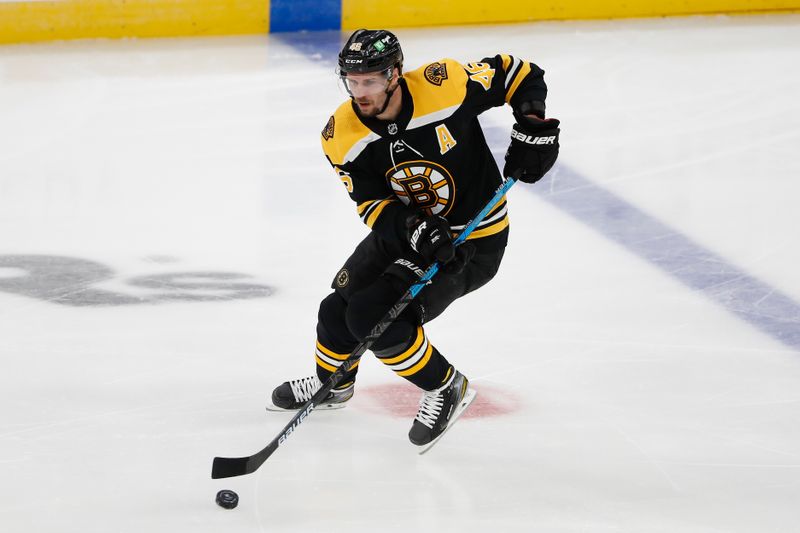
(533, 148)
(404, 271)
(464, 253)
(429, 236)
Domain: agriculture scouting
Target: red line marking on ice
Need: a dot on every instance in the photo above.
(401, 400)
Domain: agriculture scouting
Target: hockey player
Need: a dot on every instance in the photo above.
(409, 150)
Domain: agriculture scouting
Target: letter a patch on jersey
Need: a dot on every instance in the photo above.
(446, 139)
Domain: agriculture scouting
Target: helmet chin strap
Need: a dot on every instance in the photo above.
(388, 97)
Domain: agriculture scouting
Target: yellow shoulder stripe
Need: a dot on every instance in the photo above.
(436, 94)
(343, 132)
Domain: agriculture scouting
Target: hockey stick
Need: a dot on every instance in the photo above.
(238, 466)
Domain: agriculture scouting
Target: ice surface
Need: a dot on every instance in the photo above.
(168, 225)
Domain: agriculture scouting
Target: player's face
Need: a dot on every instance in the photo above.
(368, 91)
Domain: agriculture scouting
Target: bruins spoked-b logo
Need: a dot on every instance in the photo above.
(436, 73)
(342, 278)
(327, 131)
(424, 185)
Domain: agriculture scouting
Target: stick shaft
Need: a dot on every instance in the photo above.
(230, 466)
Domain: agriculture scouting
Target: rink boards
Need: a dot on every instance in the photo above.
(30, 21)
(38, 20)
(358, 13)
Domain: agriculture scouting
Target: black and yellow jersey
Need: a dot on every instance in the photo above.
(434, 157)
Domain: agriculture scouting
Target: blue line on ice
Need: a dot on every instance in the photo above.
(753, 300)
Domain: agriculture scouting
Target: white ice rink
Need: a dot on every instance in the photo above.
(168, 225)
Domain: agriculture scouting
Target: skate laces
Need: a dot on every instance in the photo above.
(303, 389)
(430, 406)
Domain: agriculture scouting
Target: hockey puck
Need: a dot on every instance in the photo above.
(227, 499)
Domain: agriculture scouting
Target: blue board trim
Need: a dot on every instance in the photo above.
(299, 15)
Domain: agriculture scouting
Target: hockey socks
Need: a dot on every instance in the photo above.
(416, 360)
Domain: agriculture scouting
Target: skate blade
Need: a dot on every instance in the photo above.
(323, 407)
(465, 401)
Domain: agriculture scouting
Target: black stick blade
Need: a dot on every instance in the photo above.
(230, 467)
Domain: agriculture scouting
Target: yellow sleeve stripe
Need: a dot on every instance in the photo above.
(364, 206)
(506, 61)
(329, 353)
(491, 230)
(416, 368)
(377, 211)
(408, 353)
(521, 74)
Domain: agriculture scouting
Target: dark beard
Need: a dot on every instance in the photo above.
(374, 113)
(365, 115)
(378, 109)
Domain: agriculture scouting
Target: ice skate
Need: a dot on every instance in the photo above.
(439, 409)
(291, 395)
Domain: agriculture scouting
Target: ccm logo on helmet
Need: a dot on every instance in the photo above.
(532, 140)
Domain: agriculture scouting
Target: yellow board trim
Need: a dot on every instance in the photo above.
(91, 19)
(416, 368)
(87, 19)
(363, 14)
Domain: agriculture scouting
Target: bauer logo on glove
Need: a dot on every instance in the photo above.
(533, 149)
(532, 140)
(430, 237)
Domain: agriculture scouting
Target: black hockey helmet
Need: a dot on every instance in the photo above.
(370, 51)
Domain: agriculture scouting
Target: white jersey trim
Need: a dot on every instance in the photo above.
(360, 146)
(512, 72)
(436, 116)
(497, 216)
